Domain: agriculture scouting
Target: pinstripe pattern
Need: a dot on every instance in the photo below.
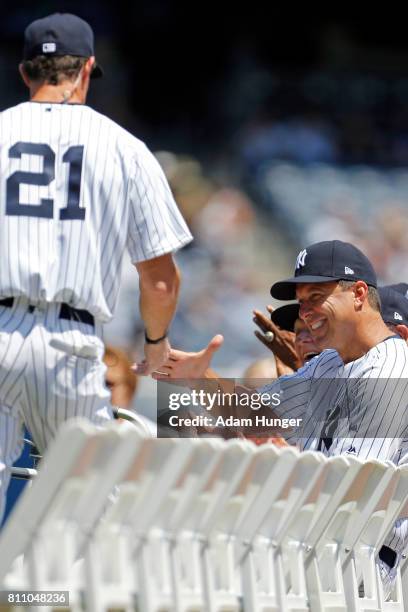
(301, 399)
(376, 386)
(61, 363)
(47, 260)
(45, 378)
(126, 197)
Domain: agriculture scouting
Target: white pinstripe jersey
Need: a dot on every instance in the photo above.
(76, 189)
(371, 394)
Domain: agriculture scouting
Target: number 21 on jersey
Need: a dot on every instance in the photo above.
(45, 209)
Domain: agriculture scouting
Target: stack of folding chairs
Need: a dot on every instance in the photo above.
(130, 523)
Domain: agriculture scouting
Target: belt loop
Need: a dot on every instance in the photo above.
(7, 302)
(76, 314)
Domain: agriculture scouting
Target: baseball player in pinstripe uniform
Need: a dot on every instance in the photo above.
(76, 191)
(353, 397)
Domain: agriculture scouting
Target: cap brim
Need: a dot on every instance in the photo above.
(285, 316)
(286, 289)
(97, 72)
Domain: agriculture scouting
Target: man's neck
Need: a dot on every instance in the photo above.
(372, 333)
(63, 93)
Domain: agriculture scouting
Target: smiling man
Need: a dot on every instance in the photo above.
(336, 287)
(286, 319)
(352, 398)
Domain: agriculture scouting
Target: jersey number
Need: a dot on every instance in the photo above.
(73, 156)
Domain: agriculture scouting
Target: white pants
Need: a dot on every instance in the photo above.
(51, 370)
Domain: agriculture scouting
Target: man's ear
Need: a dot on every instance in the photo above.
(360, 289)
(88, 66)
(23, 75)
(402, 330)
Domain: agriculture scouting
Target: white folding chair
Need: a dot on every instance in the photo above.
(184, 549)
(397, 601)
(24, 534)
(331, 555)
(362, 566)
(75, 515)
(221, 588)
(127, 529)
(179, 589)
(51, 559)
(273, 574)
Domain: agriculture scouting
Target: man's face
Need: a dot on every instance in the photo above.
(304, 343)
(328, 312)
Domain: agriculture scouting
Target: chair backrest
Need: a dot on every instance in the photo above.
(307, 470)
(206, 457)
(113, 451)
(222, 485)
(359, 502)
(149, 480)
(392, 506)
(335, 482)
(271, 470)
(331, 481)
(65, 456)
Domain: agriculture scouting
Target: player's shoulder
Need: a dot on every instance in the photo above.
(125, 142)
(391, 355)
(324, 365)
(327, 363)
(124, 139)
(11, 110)
(387, 359)
(393, 343)
(12, 118)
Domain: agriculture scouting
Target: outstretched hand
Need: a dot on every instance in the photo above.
(183, 365)
(283, 343)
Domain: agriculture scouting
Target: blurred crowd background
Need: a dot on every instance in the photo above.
(273, 133)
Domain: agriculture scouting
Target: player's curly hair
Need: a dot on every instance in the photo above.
(53, 69)
(373, 297)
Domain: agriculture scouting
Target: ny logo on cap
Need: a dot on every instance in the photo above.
(49, 47)
(397, 316)
(300, 261)
(348, 270)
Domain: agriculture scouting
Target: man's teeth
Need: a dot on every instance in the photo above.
(317, 324)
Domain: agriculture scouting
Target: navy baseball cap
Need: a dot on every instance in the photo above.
(60, 34)
(285, 316)
(394, 306)
(323, 262)
(401, 288)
